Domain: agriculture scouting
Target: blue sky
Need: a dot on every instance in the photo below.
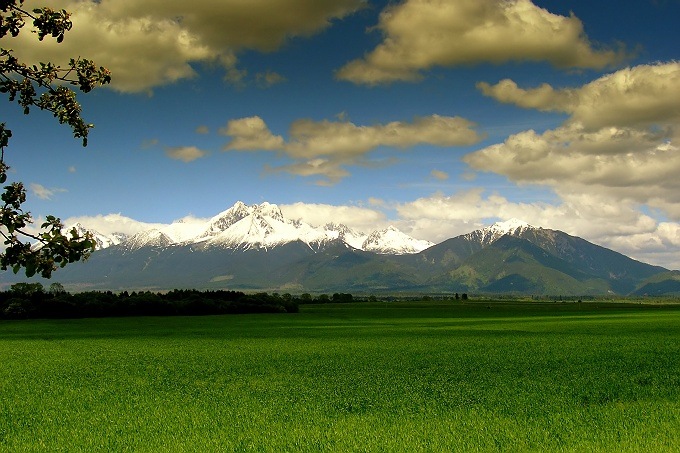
(435, 116)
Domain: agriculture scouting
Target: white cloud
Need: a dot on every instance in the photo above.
(622, 138)
(155, 42)
(440, 175)
(185, 153)
(421, 34)
(43, 192)
(269, 78)
(117, 223)
(325, 148)
(111, 223)
(358, 218)
(630, 97)
(251, 134)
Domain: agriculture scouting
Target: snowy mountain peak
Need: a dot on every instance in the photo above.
(514, 227)
(268, 210)
(225, 219)
(150, 238)
(344, 233)
(509, 226)
(394, 242)
(102, 241)
(263, 226)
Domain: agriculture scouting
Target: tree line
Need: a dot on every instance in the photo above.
(31, 300)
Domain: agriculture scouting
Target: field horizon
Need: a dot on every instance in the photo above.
(386, 376)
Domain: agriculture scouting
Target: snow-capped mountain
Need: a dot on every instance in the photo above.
(257, 248)
(258, 226)
(486, 236)
(345, 234)
(263, 226)
(393, 242)
(102, 241)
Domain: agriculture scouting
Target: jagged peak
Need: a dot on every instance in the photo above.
(264, 225)
(510, 226)
(393, 241)
(266, 209)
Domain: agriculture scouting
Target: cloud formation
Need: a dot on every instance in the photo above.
(631, 97)
(317, 214)
(421, 34)
(43, 192)
(185, 153)
(440, 175)
(155, 42)
(118, 223)
(325, 148)
(621, 138)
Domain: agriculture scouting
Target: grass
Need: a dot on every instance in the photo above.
(358, 377)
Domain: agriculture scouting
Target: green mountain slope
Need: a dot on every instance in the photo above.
(515, 265)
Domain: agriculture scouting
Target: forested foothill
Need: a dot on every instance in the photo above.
(31, 300)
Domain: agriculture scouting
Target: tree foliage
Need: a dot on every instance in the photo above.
(30, 300)
(45, 86)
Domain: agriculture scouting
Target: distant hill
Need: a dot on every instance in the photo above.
(663, 284)
(254, 248)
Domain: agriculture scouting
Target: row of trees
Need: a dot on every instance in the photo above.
(31, 300)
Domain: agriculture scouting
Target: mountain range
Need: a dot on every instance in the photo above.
(255, 248)
(258, 227)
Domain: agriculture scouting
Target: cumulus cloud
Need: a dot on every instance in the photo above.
(269, 78)
(622, 138)
(43, 192)
(440, 175)
(118, 223)
(631, 97)
(317, 214)
(610, 157)
(202, 129)
(325, 148)
(251, 134)
(185, 153)
(156, 42)
(421, 34)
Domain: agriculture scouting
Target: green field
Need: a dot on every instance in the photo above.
(410, 377)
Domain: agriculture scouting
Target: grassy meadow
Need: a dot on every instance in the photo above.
(429, 376)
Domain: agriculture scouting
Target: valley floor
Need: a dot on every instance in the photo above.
(416, 376)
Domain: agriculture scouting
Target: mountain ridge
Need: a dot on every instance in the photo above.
(261, 226)
(255, 248)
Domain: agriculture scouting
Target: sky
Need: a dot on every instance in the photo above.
(436, 116)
